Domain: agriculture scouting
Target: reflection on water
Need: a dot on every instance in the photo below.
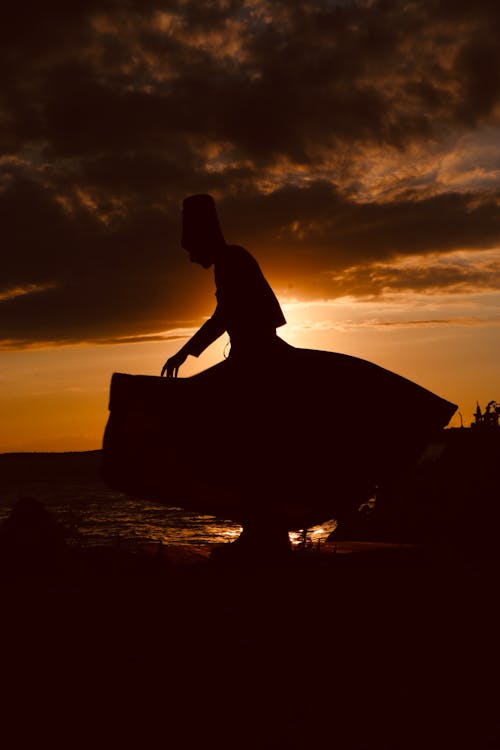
(94, 515)
(314, 536)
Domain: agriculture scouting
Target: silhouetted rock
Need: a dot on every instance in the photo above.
(449, 501)
(30, 537)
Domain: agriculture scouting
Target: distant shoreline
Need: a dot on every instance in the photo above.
(99, 450)
(49, 453)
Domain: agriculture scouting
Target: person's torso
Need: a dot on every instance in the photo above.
(244, 297)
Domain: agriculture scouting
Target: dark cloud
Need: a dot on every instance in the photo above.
(310, 235)
(111, 112)
(116, 278)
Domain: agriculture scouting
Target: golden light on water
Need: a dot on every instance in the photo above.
(316, 535)
(228, 534)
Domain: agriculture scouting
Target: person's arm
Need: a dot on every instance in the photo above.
(206, 335)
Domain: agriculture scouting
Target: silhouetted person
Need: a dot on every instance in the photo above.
(275, 437)
(246, 305)
(248, 310)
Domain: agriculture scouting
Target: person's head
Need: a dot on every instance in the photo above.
(201, 233)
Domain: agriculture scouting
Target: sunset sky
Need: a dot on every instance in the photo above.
(352, 147)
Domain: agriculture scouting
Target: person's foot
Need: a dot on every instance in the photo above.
(255, 547)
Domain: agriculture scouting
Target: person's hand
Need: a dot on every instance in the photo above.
(171, 366)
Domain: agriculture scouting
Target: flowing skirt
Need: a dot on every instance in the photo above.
(296, 433)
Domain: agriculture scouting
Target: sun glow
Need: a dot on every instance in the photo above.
(56, 398)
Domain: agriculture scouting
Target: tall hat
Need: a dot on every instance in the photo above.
(200, 223)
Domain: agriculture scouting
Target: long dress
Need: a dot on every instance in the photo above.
(274, 433)
(298, 433)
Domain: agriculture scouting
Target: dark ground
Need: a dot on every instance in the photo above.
(389, 650)
(387, 647)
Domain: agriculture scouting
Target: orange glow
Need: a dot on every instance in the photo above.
(56, 398)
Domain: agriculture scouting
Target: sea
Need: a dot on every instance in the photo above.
(91, 514)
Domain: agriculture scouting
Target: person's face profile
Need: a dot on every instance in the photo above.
(199, 254)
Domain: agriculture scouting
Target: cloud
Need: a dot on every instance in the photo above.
(456, 272)
(431, 323)
(20, 291)
(381, 325)
(338, 138)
